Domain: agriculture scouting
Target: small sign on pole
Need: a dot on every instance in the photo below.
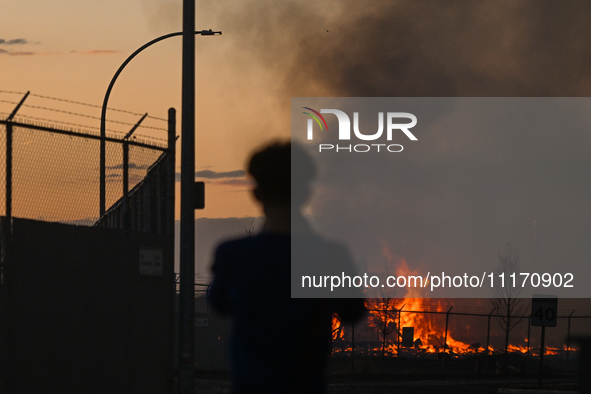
(544, 310)
(151, 262)
(202, 322)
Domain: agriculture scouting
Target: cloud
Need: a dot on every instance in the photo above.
(96, 52)
(16, 41)
(21, 53)
(235, 182)
(20, 41)
(132, 166)
(18, 53)
(209, 174)
(216, 175)
(227, 176)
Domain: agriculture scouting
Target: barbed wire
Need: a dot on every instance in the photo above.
(84, 127)
(82, 115)
(11, 92)
(66, 123)
(58, 121)
(85, 104)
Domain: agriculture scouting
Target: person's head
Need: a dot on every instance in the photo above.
(276, 183)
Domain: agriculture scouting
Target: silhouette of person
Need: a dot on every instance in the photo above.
(279, 344)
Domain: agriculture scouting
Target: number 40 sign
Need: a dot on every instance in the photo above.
(544, 310)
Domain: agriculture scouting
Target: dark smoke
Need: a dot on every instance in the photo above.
(417, 48)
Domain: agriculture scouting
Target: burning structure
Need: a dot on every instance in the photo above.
(413, 327)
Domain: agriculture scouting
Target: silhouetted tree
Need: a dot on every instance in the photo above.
(383, 312)
(250, 230)
(386, 321)
(507, 303)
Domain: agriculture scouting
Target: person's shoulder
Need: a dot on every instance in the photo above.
(230, 248)
(250, 242)
(226, 253)
(233, 243)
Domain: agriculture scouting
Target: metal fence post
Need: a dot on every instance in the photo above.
(6, 233)
(8, 190)
(528, 339)
(171, 178)
(487, 342)
(398, 333)
(125, 211)
(9, 132)
(568, 343)
(446, 327)
(353, 348)
(445, 351)
(542, 351)
(6, 240)
(125, 214)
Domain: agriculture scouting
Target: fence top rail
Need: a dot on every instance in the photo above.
(138, 143)
(466, 313)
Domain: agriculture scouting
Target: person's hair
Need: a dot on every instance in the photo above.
(271, 167)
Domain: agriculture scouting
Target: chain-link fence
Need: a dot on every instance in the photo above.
(442, 337)
(147, 206)
(51, 172)
(441, 340)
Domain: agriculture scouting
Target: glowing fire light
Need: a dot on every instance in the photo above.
(337, 328)
(520, 349)
(394, 311)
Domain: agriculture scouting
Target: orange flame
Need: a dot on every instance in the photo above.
(392, 312)
(520, 349)
(337, 328)
(429, 334)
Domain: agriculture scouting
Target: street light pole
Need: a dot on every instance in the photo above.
(187, 244)
(188, 203)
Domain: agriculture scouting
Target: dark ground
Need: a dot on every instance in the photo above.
(219, 384)
(461, 375)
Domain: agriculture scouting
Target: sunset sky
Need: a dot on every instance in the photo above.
(272, 51)
(70, 50)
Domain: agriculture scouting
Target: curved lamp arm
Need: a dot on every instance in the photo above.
(106, 100)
